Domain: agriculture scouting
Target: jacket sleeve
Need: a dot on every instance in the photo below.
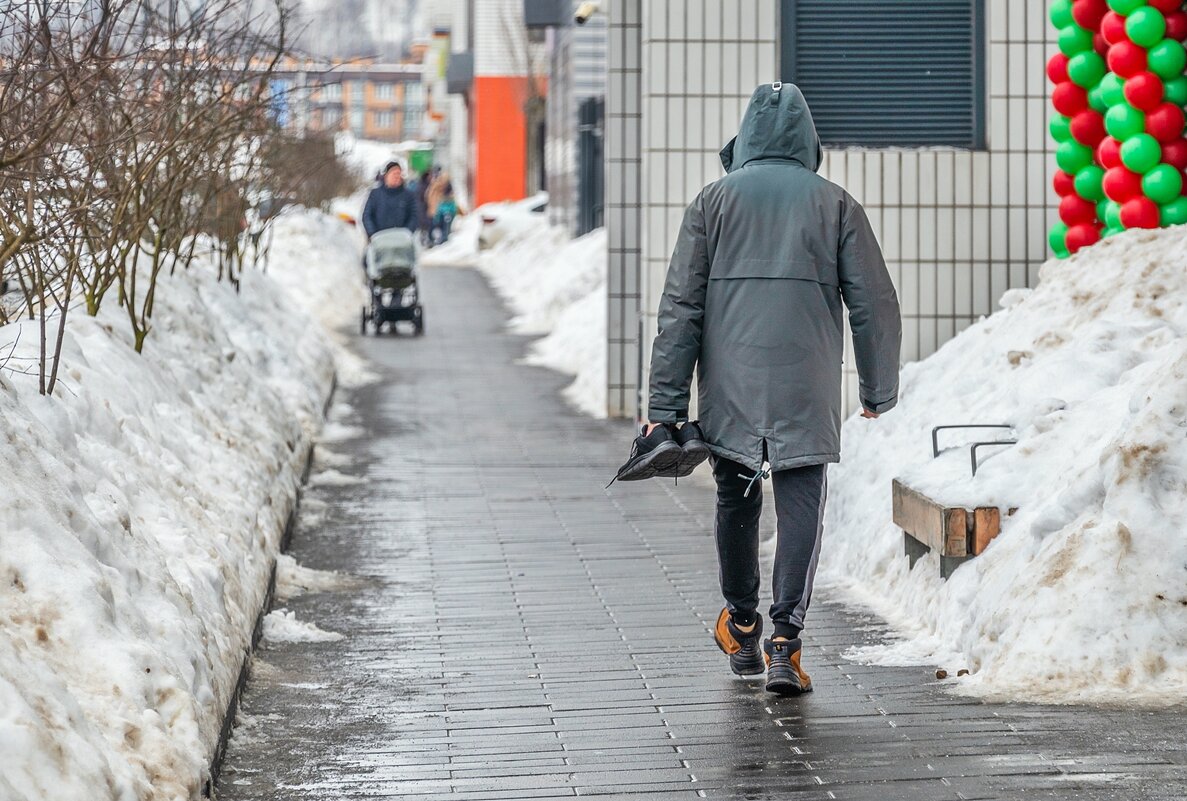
(873, 310)
(369, 224)
(681, 316)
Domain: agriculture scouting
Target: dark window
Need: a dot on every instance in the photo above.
(889, 72)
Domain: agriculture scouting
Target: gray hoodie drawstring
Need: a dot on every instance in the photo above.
(759, 474)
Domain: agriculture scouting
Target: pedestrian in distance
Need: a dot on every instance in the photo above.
(445, 211)
(766, 260)
(391, 204)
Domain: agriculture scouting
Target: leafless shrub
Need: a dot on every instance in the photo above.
(136, 135)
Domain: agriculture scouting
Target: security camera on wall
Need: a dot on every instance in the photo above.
(585, 11)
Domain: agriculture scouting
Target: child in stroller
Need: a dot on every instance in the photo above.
(391, 274)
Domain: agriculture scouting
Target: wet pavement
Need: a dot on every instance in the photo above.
(520, 632)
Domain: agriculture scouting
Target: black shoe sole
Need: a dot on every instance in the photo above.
(756, 668)
(663, 458)
(780, 684)
(692, 456)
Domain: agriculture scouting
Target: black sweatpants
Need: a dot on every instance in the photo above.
(799, 512)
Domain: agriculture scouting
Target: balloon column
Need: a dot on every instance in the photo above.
(1119, 95)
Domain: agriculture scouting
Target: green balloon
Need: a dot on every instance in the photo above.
(1061, 128)
(1071, 156)
(1086, 69)
(1061, 13)
(1096, 100)
(1058, 240)
(1167, 59)
(1141, 153)
(1126, 7)
(1176, 91)
(1123, 121)
(1112, 89)
(1102, 208)
(1162, 184)
(1088, 183)
(1073, 39)
(1112, 215)
(1174, 213)
(1146, 26)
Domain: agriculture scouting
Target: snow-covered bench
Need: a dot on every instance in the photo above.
(956, 533)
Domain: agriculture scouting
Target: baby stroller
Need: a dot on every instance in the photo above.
(391, 272)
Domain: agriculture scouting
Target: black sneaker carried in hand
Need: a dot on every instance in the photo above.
(651, 455)
(742, 646)
(784, 674)
(693, 450)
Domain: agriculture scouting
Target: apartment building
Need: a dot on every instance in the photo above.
(384, 102)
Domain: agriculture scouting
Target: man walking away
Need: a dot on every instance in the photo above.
(391, 204)
(753, 300)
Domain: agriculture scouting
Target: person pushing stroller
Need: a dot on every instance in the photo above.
(391, 204)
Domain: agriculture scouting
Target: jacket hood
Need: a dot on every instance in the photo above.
(777, 125)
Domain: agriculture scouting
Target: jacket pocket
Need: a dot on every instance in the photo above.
(792, 269)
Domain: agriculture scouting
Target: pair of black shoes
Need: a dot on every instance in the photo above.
(667, 452)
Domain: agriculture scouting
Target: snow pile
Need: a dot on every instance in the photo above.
(282, 626)
(293, 579)
(554, 284)
(1083, 596)
(140, 513)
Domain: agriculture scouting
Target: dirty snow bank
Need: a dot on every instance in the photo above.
(555, 285)
(1083, 596)
(140, 512)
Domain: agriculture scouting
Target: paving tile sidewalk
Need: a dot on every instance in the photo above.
(522, 633)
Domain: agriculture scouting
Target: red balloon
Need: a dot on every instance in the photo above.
(1108, 153)
(1057, 68)
(1088, 128)
(1069, 99)
(1127, 59)
(1074, 210)
(1174, 153)
(1081, 236)
(1065, 183)
(1176, 26)
(1112, 27)
(1088, 13)
(1144, 91)
(1165, 6)
(1100, 45)
(1140, 212)
(1121, 184)
(1166, 122)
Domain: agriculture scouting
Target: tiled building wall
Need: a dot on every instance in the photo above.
(623, 155)
(958, 228)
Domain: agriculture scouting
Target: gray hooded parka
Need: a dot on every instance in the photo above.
(763, 261)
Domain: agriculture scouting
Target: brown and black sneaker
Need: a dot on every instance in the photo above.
(784, 674)
(742, 646)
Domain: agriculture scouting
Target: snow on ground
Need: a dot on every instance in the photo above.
(555, 285)
(293, 579)
(140, 512)
(1083, 596)
(282, 626)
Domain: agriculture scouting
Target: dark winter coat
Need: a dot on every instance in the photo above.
(390, 208)
(753, 299)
